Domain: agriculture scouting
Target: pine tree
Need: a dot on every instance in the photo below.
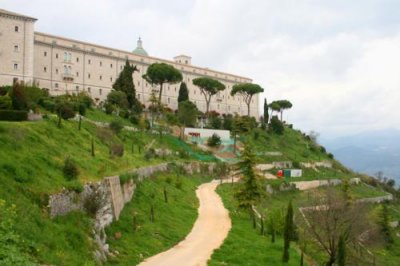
(125, 84)
(183, 93)
(341, 257)
(266, 114)
(250, 191)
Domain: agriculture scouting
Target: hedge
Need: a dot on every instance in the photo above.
(13, 115)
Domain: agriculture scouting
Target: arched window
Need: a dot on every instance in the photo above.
(65, 69)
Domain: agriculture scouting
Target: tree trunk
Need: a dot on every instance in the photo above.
(159, 95)
(281, 116)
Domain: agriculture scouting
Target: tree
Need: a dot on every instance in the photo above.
(161, 73)
(280, 106)
(384, 224)
(250, 191)
(187, 113)
(208, 87)
(288, 232)
(266, 114)
(341, 257)
(183, 93)
(214, 140)
(124, 83)
(247, 90)
(236, 125)
(330, 217)
(274, 107)
(276, 126)
(116, 100)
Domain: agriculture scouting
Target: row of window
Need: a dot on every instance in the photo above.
(68, 58)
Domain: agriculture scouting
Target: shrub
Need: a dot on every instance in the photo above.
(93, 202)
(82, 109)
(13, 115)
(214, 141)
(330, 155)
(74, 185)
(18, 97)
(105, 134)
(149, 154)
(276, 126)
(116, 126)
(70, 169)
(65, 110)
(124, 178)
(117, 149)
(48, 104)
(5, 102)
(134, 119)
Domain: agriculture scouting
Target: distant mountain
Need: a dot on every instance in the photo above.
(369, 152)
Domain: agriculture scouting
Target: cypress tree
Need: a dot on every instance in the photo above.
(341, 257)
(183, 93)
(288, 232)
(266, 114)
(125, 84)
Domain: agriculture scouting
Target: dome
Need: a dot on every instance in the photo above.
(139, 49)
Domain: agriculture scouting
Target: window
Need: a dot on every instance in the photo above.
(111, 79)
(101, 77)
(69, 69)
(138, 83)
(56, 56)
(89, 61)
(138, 96)
(77, 59)
(56, 70)
(111, 66)
(88, 76)
(101, 63)
(15, 66)
(45, 53)
(100, 91)
(45, 69)
(65, 70)
(77, 74)
(77, 88)
(168, 100)
(88, 89)
(16, 48)
(15, 80)
(56, 85)
(65, 56)
(16, 29)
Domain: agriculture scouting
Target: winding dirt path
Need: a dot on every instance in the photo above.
(208, 233)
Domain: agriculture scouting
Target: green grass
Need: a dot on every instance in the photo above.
(100, 116)
(244, 245)
(173, 220)
(32, 155)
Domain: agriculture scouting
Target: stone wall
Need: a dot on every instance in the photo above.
(305, 185)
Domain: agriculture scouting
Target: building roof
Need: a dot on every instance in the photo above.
(139, 49)
(13, 14)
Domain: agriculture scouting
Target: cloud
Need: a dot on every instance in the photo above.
(337, 61)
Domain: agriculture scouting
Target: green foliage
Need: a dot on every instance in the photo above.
(18, 97)
(384, 224)
(247, 91)
(214, 140)
(187, 113)
(280, 106)
(250, 191)
(74, 185)
(276, 126)
(117, 149)
(266, 112)
(70, 169)
(13, 250)
(214, 121)
(208, 88)
(127, 177)
(183, 93)
(160, 73)
(341, 256)
(288, 232)
(116, 126)
(13, 115)
(5, 102)
(65, 110)
(228, 122)
(124, 83)
(117, 98)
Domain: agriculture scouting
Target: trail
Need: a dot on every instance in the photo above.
(208, 233)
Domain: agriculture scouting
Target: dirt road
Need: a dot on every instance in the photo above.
(208, 233)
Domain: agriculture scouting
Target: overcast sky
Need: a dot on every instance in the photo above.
(338, 61)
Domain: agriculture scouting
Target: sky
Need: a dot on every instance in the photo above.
(338, 61)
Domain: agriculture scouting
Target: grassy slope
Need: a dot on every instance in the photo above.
(244, 245)
(173, 220)
(31, 160)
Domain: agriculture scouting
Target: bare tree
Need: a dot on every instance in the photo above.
(331, 217)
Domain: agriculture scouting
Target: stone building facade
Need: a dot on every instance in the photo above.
(63, 65)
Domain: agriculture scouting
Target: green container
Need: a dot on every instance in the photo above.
(286, 172)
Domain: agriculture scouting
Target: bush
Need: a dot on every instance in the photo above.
(5, 102)
(330, 155)
(65, 110)
(116, 126)
(74, 185)
(70, 169)
(149, 154)
(124, 178)
(214, 141)
(276, 126)
(215, 122)
(93, 202)
(82, 109)
(12, 115)
(117, 149)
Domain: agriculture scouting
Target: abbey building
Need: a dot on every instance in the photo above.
(63, 65)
